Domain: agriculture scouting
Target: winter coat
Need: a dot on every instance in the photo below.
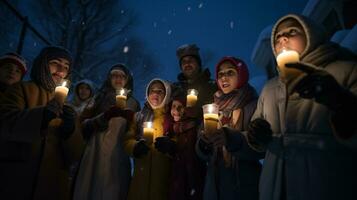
(305, 160)
(188, 171)
(33, 166)
(233, 172)
(105, 169)
(150, 180)
(205, 86)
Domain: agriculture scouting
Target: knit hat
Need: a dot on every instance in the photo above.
(16, 59)
(188, 50)
(240, 66)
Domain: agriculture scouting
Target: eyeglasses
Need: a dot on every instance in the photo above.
(227, 73)
(288, 32)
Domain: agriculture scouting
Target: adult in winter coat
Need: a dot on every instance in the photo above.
(83, 92)
(233, 167)
(105, 168)
(12, 69)
(152, 168)
(39, 154)
(192, 75)
(188, 171)
(312, 155)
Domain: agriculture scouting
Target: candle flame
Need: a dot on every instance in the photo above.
(64, 83)
(148, 124)
(210, 108)
(122, 91)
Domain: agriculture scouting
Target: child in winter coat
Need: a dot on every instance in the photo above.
(188, 171)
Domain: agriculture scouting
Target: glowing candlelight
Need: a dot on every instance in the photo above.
(287, 56)
(191, 97)
(61, 92)
(121, 96)
(148, 132)
(210, 116)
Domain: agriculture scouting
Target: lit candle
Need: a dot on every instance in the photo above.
(191, 97)
(210, 116)
(287, 56)
(148, 132)
(61, 92)
(121, 98)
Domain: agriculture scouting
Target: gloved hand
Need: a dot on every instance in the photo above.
(113, 111)
(68, 125)
(165, 145)
(317, 84)
(140, 149)
(205, 145)
(259, 134)
(52, 110)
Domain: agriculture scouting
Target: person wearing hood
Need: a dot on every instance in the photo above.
(152, 167)
(36, 153)
(83, 92)
(105, 168)
(233, 167)
(307, 124)
(192, 75)
(12, 70)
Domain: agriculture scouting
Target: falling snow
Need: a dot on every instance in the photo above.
(169, 32)
(189, 8)
(200, 5)
(231, 24)
(154, 24)
(122, 11)
(125, 49)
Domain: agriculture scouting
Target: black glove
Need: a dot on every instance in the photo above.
(165, 145)
(140, 149)
(68, 125)
(52, 110)
(113, 111)
(259, 134)
(205, 146)
(317, 84)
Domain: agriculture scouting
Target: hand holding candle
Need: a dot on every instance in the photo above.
(61, 91)
(121, 96)
(148, 132)
(287, 56)
(191, 97)
(210, 116)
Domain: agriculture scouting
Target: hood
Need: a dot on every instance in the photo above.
(167, 97)
(240, 66)
(87, 82)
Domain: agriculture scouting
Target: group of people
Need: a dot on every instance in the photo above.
(90, 148)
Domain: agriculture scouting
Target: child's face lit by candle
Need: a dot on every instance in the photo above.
(289, 35)
(177, 110)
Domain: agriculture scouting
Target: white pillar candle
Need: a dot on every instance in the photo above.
(61, 92)
(287, 56)
(148, 132)
(121, 98)
(210, 116)
(191, 97)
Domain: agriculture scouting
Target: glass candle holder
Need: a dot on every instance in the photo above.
(210, 117)
(191, 97)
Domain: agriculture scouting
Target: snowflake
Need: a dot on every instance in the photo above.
(189, 8)
(169, 32)
(125, 49)
(155, 24)
(200, 5)
(231, 24)
(122, 11)
(34, 44)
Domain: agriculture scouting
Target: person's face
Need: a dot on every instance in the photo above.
(177, 110)
(227, 77)
(84, 91)
(59, 69)
(290, 37)
(10, 73)
(189, 66)
(156, 93)
(118, 79)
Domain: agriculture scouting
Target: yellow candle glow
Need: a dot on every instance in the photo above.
(148, 132)
(288, 56)
(121, 98)
(210, 116)
(191, 97)
(61, 92)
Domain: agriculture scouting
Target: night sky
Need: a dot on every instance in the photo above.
(228, 27)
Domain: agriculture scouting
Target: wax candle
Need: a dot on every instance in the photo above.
(61, 92)
(148, 132)
(191, 97)
(210, 116)
(287, 56)
(121, 97)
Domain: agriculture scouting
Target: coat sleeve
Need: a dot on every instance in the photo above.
(129, 140)
(18, 123)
